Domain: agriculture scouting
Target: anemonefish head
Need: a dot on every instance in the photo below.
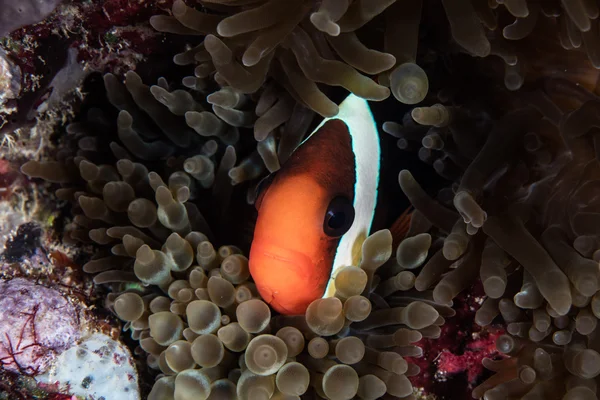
(314, 213)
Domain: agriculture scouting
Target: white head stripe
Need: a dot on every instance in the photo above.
(356, 114)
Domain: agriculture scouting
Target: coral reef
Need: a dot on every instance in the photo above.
(159, 178)
(42, 65)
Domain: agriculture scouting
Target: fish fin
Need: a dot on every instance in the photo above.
(400, 227)
(261, 188)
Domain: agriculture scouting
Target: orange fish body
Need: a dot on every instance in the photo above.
(316, 210)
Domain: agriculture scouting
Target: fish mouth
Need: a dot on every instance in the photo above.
(284, 278)
(275, 255)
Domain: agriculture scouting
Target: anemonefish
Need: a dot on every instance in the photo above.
(315, 212)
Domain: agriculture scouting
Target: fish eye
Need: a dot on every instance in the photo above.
(339, 216)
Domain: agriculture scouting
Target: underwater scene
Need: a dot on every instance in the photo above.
(299, 199)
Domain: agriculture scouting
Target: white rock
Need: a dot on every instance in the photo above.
(98, 368)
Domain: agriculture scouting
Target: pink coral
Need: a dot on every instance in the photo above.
(469, 361)
(452, 362)
(36, 324)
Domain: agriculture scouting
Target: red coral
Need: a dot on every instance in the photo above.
(470, 359)
(452, 363)
(102, 31)
(110, 13)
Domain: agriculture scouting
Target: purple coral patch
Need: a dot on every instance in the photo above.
(15, 14)
(36, 324)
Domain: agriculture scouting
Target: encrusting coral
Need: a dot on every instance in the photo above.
(40, 323)
(16, 15)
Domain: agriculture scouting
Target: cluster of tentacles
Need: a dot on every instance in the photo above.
(520, 216)
(306, 45)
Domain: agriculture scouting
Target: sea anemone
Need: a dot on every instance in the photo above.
(191, 304)
(519, 216)
(248, 43)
